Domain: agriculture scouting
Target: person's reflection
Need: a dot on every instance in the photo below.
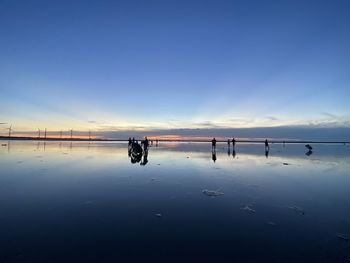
(228, 151)
(309, 147)
(135, 158)
(308, 153)
(144, 158)
(267, 152)
(137, 154)
(213, 155)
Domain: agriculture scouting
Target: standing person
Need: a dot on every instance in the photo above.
(145, 144)
(130, 142)
(233, 142)
(267, 147)
(133, 139)
(213, 144)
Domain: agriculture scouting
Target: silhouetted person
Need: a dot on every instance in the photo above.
(233, 142)
(309, 147)
(213, 144)
(133, 139)
(145, 144)
(130, 142)
(267, 147)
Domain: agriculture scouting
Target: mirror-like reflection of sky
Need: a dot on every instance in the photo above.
(87, 202)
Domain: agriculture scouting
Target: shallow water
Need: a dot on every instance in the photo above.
(86, 202)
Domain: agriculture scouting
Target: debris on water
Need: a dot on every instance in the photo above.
(20, 162)
(342, 236)
(4, 144)
(212, 193)
(64, 153)
(297, 209)
(187, 157)
(158, 163)
(158, 215)
(248, 209)
(286, 163)
(272, 223)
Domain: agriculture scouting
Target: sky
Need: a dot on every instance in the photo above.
(119, 66)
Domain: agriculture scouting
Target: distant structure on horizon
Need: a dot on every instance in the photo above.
(10, 130)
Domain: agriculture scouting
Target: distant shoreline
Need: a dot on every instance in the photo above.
(18, 138)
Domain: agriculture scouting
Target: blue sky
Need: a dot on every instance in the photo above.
(140, 65)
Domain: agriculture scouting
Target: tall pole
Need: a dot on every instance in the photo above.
(89, 135)
(61, 134)
(45, 134)
(39, 133)
(71, 134)
(10, 129)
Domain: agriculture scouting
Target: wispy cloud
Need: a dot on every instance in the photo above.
(206, 124)
(329, 115)
(272, 118)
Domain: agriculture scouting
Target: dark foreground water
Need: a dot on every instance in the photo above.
(81, 202)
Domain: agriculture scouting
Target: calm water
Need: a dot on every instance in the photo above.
(81, 202)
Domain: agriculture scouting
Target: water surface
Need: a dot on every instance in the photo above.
(86, 202)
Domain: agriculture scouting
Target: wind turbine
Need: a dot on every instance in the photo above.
(10, 130)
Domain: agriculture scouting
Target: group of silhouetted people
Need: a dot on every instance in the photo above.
(233, 141)
(139, 152)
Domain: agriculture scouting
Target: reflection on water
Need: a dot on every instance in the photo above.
(87, 202)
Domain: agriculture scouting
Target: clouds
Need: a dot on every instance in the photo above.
(272, 118)
(314, 133)
(330, 115)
